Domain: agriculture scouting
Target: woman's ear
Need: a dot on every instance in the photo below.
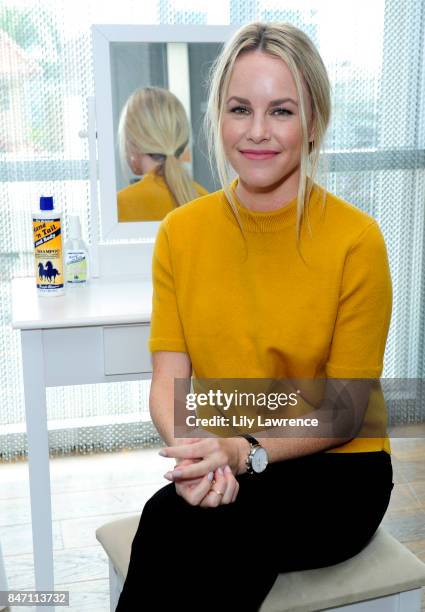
(135, 162)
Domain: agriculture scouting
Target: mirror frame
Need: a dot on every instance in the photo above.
(102, 36)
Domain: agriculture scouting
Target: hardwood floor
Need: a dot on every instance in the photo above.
(89, 490)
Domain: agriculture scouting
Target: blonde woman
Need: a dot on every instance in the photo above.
(153, 134)
(271, 277)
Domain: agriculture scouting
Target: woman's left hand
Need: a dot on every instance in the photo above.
(203, 492)
(211, 453)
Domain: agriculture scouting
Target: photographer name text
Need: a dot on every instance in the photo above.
(249, 422)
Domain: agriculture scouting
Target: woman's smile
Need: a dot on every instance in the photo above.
(258, 155)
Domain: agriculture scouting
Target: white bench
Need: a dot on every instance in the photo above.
(384, 577)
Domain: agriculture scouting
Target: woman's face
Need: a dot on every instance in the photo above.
(261, 129)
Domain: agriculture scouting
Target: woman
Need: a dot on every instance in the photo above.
(270, 278)
(153, 133)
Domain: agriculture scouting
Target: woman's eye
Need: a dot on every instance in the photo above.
(282, 111)
(238, 108)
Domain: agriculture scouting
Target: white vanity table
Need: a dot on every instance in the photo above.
(92, 334)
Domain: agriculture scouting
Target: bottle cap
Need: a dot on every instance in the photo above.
(74, 226)
(46, 203)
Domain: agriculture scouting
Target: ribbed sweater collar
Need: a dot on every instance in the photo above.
(263, 222)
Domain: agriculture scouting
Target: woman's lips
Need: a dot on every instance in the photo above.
(260, 155)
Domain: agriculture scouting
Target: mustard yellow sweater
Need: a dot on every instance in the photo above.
(148, 200)
(269, 314)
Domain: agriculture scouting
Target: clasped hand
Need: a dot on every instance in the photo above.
(204, 471)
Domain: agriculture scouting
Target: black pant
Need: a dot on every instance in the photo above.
(302, 513)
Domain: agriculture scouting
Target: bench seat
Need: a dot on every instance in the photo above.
(384, 577)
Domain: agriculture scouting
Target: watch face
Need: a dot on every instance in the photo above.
(259, 460)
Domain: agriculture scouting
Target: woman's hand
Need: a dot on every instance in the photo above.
(187, 488)
(206, 492)
(224, 482)
(190, 482)
(212, 452)
(192, 476)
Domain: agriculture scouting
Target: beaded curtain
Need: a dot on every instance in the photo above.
(374, 53)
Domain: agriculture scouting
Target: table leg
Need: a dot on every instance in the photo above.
(38, 459)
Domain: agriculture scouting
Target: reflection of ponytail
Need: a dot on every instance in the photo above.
(154, 122)
(178, 180)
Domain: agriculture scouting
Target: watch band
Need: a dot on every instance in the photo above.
(250, 439)
(253, 442)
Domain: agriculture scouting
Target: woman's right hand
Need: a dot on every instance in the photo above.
(200, 491)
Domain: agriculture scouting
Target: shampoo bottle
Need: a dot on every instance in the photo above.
(76, 255)
(48, 255)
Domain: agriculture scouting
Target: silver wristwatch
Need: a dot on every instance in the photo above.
(257, 459)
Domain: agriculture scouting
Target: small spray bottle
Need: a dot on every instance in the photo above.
(76, 255)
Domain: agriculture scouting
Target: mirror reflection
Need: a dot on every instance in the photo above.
(159, 93)
(153, 135)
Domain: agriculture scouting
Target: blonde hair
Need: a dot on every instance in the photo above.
(153, 122)
(294, 47)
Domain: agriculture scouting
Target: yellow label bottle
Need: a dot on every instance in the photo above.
(48, 251)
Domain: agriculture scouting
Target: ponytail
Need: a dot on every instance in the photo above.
(177, 180)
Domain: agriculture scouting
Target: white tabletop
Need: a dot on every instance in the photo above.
(103, 301)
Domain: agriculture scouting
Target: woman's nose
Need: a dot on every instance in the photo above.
(258, 129)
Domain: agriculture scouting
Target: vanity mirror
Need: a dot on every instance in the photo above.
(130, 57)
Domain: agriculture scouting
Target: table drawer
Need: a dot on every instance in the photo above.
(125, 349)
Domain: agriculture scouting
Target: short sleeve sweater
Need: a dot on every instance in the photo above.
(260, 310)
(148, 200)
